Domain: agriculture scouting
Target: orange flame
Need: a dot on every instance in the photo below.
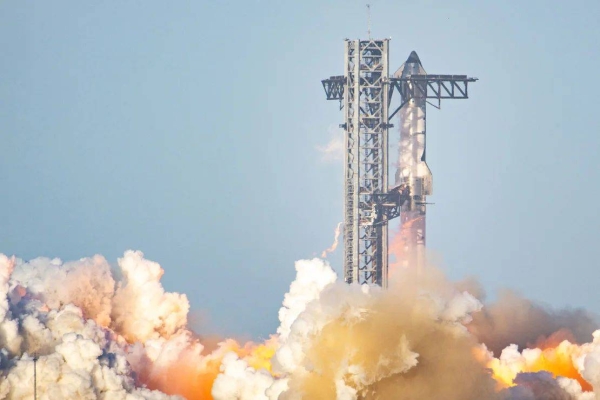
(193, 375)
(557, 359)
(398, 243)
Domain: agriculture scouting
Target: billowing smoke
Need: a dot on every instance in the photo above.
(512, 319)
(64, 314)
(101, 333)
(362, 342)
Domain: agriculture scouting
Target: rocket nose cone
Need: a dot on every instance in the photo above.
(413, 58)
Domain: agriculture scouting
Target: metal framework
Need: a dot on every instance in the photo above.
(425, 86)
(334, 87)
(365, 92)
(430, 87)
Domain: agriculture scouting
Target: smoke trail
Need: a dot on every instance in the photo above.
(336, 238)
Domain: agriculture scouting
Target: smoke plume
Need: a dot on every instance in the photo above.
(102, 333)
(334, 149)
(512, 319)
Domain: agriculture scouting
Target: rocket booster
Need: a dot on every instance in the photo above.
(412, 169)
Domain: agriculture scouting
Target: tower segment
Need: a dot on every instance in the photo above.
(365, 170)
(365, 93)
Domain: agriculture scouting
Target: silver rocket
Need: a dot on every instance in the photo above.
(412, 173)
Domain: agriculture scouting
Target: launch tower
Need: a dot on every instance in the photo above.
(365, 93)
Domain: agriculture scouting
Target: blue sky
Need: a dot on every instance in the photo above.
(188, 130)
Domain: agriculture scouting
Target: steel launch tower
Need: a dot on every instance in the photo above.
(365, 92)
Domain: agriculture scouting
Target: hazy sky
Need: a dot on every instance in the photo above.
(188, 130)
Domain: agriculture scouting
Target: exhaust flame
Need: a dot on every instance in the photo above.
(100, 336)
(335, 241)
(559, 361)
(398, 247)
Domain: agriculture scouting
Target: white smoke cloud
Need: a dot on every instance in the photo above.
(588, 365)
(50, 309)
(87, 283)
(9, 328)
(238, 381)
(312, 276)
(141, 308)
(333, 150)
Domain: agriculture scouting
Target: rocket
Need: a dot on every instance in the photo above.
(412, 170)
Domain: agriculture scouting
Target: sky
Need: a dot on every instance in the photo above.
(190, 130)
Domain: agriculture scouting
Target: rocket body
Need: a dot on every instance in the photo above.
(413, 171)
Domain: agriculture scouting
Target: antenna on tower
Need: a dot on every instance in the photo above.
(369, 20)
